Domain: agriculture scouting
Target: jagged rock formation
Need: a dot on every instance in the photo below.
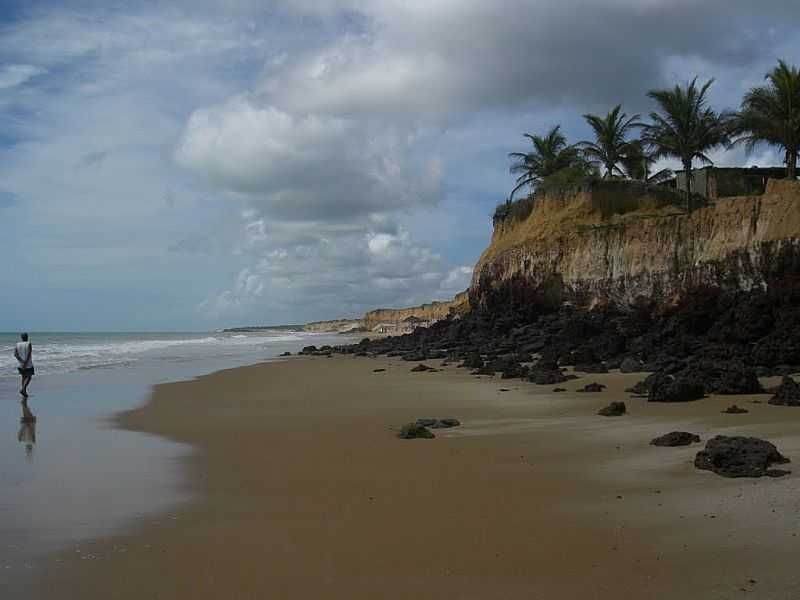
(597, 246)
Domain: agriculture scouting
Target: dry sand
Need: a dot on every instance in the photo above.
(303, 490)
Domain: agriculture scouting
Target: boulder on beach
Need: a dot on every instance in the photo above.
(630, 365)
(548, 377)
(722, 376)
(735, 410)
(308, 350)
(738, 456)
(438, 423)
(421, 368)
(286, 354)
(559, 390)
(473, 361)
(675, 438)
(411, 431)
(668, 388)
(615, 409)
(642, 388)
(787, 393)
(594, 387)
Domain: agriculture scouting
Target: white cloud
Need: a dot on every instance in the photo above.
(14, 75)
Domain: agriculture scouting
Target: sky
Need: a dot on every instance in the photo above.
(196, 165)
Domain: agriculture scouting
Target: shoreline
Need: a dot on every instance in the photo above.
(300, 487)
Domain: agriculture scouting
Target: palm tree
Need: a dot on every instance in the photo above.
(550, 154)
(686, 128)
(770, 114)
(610, 144)
(637, 164)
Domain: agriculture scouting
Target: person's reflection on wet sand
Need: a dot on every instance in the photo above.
(27, 430)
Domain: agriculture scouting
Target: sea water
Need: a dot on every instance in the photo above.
(70, 476)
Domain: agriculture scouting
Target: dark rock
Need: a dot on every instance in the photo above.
(559, 390)
(642, 388)
(595, 387)
(412, 431)
(720, 376)
(308, 350)
(787, 393)
(286, 354)
(592, 368)
(668, 388)
(615, 409)
(737, 456)
(421, 368)
(544, 377)
(378, 370)
(735, 410)
(630, 365)
(444, 423)
(676, 438)
(473, 361)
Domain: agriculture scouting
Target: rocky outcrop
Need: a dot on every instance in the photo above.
(597, 246)
(426, 313)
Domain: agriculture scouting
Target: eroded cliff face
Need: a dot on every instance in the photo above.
(334, 326)
(433, 311)
(588, 248)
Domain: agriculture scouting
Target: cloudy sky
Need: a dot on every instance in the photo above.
(191, 165)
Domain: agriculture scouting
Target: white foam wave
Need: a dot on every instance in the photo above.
(65, 354)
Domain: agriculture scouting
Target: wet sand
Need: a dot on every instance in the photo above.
(302, 490)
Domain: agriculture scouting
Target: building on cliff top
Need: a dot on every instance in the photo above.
(723, 182)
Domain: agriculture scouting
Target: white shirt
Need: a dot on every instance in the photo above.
(24, 351)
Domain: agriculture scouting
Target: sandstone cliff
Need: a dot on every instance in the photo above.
(433, 311)
(334, 326)
(594, 246)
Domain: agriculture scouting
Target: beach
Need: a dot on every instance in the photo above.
(299, 487)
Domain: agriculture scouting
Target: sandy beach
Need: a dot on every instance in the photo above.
(301, 489)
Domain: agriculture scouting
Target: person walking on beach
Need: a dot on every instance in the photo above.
(24, 355)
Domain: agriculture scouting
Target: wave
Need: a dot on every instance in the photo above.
(63, 353)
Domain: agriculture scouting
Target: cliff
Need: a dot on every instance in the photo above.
(334, 326)
(598, 245)
(433, 311)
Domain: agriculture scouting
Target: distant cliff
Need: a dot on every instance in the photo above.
(334, 326)
(605, 245)
(433, 311)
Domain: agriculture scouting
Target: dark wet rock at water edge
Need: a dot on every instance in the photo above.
(737, 456)
(735, 410)
(787, 393)
(676, 438)
(615, 409)
(412, 431)
(286, 354)
(595, 387)
(439, 423)
(421, 368)
(669, 388)
(308, 350)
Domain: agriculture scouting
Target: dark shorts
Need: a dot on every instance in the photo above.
(29, 372)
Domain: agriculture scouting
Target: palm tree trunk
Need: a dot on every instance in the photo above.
(687, 168)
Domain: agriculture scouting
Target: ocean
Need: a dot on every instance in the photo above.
(70, 476)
